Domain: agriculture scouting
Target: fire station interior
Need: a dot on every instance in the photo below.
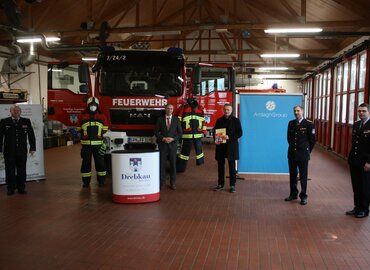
(316, 50)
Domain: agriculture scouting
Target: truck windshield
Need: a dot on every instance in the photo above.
(142, 74)
(63, 77)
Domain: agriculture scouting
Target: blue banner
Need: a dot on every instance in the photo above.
(265, 118)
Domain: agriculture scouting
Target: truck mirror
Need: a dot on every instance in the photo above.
(195, 89)
(197, 75)
(84, 88)
(232, 79)
(83, 73)
(196, 80)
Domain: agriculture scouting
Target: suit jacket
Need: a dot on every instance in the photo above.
(301, 139)
(13, 138)
(230, 149)
(360, 151)
(161, 131)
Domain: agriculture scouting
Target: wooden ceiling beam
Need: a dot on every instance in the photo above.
(124, 14)
(288, 7)
(107, 15)
(268, 10)
(356, 8)
(256, 51)
(194, 27)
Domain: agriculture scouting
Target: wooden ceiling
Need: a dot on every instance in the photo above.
(229, 31)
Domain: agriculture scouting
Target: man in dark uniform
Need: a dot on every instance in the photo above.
(301, 140)
(14, 132)
(227, 146)
(92, 125)
(168, 131)
(192, 120)
(359, 163)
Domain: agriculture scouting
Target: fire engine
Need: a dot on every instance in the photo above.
(66, 96)
(133, 87)
(213, 86)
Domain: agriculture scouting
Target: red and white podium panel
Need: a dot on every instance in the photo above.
(135, 176)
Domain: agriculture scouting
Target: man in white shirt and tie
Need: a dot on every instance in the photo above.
(168, 131)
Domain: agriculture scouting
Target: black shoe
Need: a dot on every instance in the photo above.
(351, 212)
(10, 192)
(361, 214)
(22, 191)
(303, 201)
(232, 189)
(85, 185)
(218, 188)
(290, 198)
(173, 186)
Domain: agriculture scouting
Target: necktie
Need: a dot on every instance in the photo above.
(168, 123)
(15, 121)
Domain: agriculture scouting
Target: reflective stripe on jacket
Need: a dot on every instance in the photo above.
(92, 127)
(192, 122)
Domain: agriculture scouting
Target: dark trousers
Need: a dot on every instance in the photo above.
(15, 172)
(221, 172)
(86, 152)
(168, 151)
(361, 187)
(302, 165)
(182, 159)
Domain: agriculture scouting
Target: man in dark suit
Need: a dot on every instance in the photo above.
(227, 146)
(359, 163)
(14, 132)
(168, 131)
(301, 140)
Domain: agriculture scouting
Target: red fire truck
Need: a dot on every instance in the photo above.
(133, 87)
(66, 95)
(213, 86)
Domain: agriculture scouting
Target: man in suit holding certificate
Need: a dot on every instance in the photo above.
(226, 134)
(168, 131)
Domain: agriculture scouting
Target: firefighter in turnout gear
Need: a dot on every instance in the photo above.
(92, 125)
(192, 120)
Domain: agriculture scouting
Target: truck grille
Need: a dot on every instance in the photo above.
(134, 116)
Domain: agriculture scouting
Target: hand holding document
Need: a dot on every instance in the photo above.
(220, 135)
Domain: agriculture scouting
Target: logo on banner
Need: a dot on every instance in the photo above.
(270, 105)
(73, 118)
(135, 164)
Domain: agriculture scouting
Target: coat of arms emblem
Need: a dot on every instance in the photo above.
(135, 164)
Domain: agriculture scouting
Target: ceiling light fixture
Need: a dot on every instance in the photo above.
(89, 59)
(292, 30)
(36, 39)
(273, 68)
(156, 33)
(221, 30)
(280, 55)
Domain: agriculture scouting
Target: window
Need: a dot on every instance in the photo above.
(353, 74)
(339, 79)
(344, 109)
(64, 77)
(362, 72)
(351, 108)
(345, 77)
